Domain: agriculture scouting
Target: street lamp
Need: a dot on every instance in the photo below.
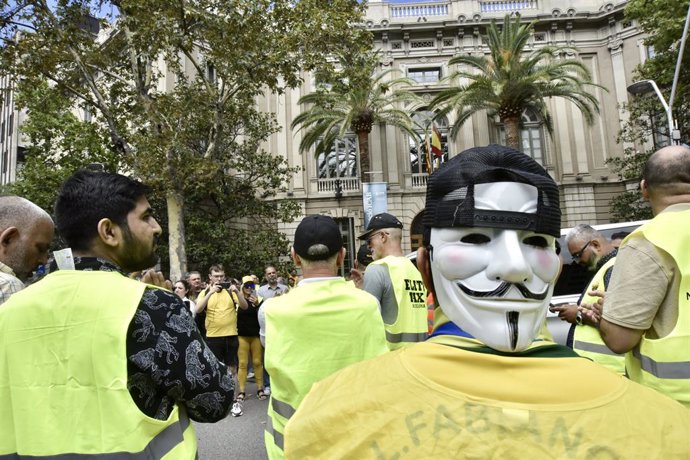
(647, 86)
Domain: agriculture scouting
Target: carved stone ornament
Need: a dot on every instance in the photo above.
(615, 44)
(386, 60)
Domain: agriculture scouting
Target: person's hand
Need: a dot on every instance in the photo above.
(591, 312)
(157, 279)
(216, 287)
(357, 277)
(566, 312)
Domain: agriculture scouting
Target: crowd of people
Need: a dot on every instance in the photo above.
(94, 361)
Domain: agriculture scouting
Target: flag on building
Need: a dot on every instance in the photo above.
(436, 147)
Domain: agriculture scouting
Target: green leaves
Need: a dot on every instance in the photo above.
(171, 90)
(512, 79)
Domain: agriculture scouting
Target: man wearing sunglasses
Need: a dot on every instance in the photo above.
(595, 252)
(394, 280)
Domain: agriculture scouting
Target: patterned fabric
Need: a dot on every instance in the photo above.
(167, 359)
(9, 283)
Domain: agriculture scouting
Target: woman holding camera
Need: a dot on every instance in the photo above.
(248, 332)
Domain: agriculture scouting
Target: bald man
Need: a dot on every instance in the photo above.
(26, 231)
(647, 308)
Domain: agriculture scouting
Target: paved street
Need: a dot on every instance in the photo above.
(236, 437)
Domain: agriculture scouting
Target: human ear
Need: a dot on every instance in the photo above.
(7, 235)
(424, 267)
(295, 257)
(109, 232)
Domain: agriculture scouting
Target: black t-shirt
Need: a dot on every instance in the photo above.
(248, 320)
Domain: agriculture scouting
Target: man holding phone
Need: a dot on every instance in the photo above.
(220, 301)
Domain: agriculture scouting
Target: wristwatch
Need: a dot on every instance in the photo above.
(578, 318)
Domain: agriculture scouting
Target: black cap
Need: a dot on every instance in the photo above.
(379, 221)
(450, 192)
(364, 255)
(317, 230)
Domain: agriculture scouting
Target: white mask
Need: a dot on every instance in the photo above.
(496, 283)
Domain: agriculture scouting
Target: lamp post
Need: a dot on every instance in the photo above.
(647, 86)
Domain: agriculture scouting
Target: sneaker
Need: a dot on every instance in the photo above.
(250, 375)
(267, 391)
(236, 410)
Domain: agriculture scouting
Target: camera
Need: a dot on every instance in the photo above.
(225, 284)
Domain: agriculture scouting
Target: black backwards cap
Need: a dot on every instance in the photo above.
(450, 192)
(317, 237)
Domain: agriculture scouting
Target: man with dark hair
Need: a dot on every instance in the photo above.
(273, 288)
(647, 310)
(323, 325)
(93, 362)
(395, 282)
(481, 386)
(617, 238)
(26, 232)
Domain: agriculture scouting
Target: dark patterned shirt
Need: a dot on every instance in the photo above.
(167, 359)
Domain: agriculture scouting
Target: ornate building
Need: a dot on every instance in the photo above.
(418, 39)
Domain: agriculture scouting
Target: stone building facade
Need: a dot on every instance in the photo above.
(418, 39)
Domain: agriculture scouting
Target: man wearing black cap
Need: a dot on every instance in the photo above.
(321, 326)
(483, 386)
(395, 282)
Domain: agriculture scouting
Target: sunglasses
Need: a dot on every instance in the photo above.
(578, 254)
(249, 285)
(371, 237)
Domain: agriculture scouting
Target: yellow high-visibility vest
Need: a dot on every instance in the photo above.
(321, 327)
(587, 341)
(63, 374)
(410, 294)
(664, 364)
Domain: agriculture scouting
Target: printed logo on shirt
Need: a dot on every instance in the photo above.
(415, 289)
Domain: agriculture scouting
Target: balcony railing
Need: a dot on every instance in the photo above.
(346, 184)
(499, 6)
(415, 11)
(419, 179)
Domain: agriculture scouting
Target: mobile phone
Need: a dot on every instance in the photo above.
(225, 284)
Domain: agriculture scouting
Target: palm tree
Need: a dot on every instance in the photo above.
(354, 102)
(510, 80)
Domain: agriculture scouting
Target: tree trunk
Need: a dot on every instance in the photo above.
(176, 243)
(512, 127)
(364, 167)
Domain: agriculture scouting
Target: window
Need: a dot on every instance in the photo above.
(530, 136)
(340, 161)
(420, 162)
(347, 229)
(422, 43)
(425, 76)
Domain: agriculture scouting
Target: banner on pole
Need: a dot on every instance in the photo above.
(375, 198)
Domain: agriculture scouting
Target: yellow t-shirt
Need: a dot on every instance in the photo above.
(438, 401)
(221, 314)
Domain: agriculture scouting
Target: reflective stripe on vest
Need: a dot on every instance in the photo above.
(159, 446)
(673, 370)
(330, 321)
(278, 438)
(664, 363)
(406, 337)
(411, 324)
(587, 341)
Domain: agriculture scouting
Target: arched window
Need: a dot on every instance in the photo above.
(531, 136)
(421, 163)
(340, 162)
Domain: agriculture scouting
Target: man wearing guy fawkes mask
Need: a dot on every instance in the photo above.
(483, 385)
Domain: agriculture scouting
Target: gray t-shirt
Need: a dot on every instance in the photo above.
(377, 282)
